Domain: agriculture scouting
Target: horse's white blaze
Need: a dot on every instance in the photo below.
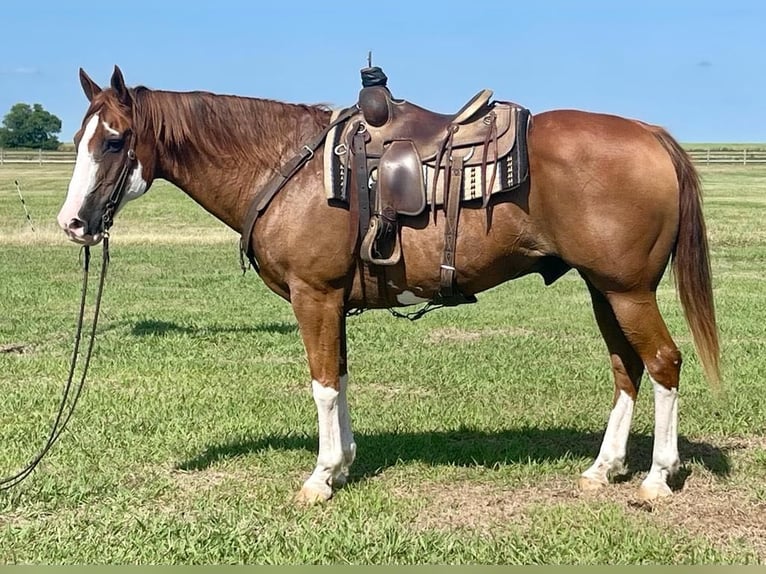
(611, 457)
(665, 460)
(409, 298)
(83, 177)
(330, 457)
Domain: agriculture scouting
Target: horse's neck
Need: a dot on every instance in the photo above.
(219, 188)
(223, 176)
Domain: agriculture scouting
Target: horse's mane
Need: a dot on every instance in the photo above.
(224, 128)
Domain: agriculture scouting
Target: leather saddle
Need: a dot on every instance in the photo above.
(404, 157)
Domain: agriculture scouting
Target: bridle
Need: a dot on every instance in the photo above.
(119, 187)
(72, 392)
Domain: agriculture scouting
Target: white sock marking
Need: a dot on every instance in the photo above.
(611, 457)
(665, 460)
(330, 457)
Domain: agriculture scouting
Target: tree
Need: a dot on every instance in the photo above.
(31, 127)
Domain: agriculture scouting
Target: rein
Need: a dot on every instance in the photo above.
(65, 413)
(73, 391)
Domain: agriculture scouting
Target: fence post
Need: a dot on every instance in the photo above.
(707, 162)
(1, 155)
(40, 156)
(744, 157)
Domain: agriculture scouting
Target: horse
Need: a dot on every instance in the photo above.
(615, 199)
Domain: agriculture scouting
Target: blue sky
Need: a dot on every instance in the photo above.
(695, 67)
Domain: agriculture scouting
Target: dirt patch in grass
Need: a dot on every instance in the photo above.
(16, 519)
(186, 489)
(16, 348)
(481, 507)
(726, 512)
(722, 514)
(199, 480)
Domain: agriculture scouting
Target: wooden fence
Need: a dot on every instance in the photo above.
(741, 156)
(701, 156)
(36, 156)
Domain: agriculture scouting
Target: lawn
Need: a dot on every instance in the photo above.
(197, 426)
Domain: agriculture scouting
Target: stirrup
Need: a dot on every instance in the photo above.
(366, 252)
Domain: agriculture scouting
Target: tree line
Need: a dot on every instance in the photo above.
(30, 126)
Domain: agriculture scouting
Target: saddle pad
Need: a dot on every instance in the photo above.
(334, 158)
(511, 170)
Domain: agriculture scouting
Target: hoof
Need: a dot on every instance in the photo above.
(653, 491)
(310, 495)
(587, 484)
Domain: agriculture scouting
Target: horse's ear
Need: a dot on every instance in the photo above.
(90, 87)
(118, 84)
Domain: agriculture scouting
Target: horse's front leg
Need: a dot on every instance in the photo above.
(346, 434)
(321, 319)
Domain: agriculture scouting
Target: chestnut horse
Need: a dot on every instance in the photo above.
(610, 197)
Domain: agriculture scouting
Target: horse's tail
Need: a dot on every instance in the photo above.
(691, 261)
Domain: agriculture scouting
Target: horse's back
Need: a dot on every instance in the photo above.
(604, 193)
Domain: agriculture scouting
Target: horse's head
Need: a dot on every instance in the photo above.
(113, 165)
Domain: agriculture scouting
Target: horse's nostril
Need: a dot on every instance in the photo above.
(76, 227)
(75, 224)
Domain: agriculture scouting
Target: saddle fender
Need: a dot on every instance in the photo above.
(400, 179)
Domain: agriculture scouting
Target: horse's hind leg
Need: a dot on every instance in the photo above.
(627, 369)
(641, 322)
(322, 323)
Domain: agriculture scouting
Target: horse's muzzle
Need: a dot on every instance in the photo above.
(76, 230)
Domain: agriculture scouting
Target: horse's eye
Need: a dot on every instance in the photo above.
(113, 145)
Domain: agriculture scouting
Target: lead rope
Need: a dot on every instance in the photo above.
(63, 415)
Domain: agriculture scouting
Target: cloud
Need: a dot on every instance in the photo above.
(20, 71)
(704, 64)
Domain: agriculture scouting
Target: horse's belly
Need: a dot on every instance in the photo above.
(417, 279)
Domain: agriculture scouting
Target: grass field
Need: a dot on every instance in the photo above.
(197, 425)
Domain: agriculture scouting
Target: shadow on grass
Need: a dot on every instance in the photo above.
(164, 328)
(466, 447)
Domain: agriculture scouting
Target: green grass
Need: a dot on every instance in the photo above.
(197, 425)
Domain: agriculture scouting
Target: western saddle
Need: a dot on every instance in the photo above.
(401, 153)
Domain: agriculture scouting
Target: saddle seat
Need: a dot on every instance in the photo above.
(388, 119)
